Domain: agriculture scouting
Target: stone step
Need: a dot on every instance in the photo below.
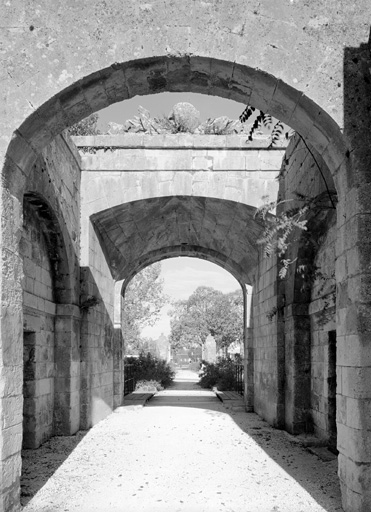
(231, 400)
(137, 398)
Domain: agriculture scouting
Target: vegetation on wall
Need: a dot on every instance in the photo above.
(185, 118)
(286, 220)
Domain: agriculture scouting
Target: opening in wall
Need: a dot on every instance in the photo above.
(29, 405)
(331, 386)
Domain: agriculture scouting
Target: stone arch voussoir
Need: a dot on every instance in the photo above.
(186, 251)
(205, 75)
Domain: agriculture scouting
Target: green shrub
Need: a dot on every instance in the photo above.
(220, 374)
(147, 367)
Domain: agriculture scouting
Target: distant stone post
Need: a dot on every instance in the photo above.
(248, 359)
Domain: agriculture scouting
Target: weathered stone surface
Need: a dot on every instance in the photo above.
(307, 65)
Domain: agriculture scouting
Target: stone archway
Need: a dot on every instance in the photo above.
(47, 289)
(307, 296)
(221, 59)
(129, 233)
(51, 295)
(218, 259)
(190, 73)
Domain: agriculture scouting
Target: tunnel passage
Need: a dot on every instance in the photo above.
(135, 232)
(290, 65)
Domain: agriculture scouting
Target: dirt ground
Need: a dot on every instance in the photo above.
(183, 452)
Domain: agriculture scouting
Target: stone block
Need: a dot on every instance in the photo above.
(202, 163)
(284, 101)
(41, 304)
(12, 440)
(353, 500)
(230, 160)
(21, 153)
(30, 300)
(11, 470)
(43, 387)
(353, 350)
(357, 413)
(12, 410)
(354, 443)
(356, 476)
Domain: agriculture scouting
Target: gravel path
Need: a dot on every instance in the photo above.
(184, 452)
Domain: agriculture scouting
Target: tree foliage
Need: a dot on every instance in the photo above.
(143, 300)
(207, 311)
(277, 235)
(227, 319)
(277, 130)
(288, 220)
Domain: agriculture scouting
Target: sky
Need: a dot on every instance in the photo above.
(181, 275)
(159, 104)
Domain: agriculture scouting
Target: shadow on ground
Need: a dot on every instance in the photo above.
(39, 465)
(282, 448)
(306, 468)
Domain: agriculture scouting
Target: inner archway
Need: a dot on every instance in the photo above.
(134, 234)
(202, 317)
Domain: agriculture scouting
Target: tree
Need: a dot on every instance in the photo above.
(207, 311)
(143, 300)
(188, 330)
(226, 323)
(191, 318)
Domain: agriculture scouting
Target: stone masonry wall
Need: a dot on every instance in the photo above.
(83, 371)
(120, 169)
(267, 343)
(323, 329)
(39, 315)
(97, 334)
(50, 250)
(310, 338)
(228, 49)
(55, 178)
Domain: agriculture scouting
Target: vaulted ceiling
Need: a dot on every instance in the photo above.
(136, 234)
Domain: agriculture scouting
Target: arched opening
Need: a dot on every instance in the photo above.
(205, 319)
(39, 310)
(177, 225)
(49, 402)
(204, 47)
(308, 297)
(153, 75)
(195, 74)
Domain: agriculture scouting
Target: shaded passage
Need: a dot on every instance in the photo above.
(185, 452)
